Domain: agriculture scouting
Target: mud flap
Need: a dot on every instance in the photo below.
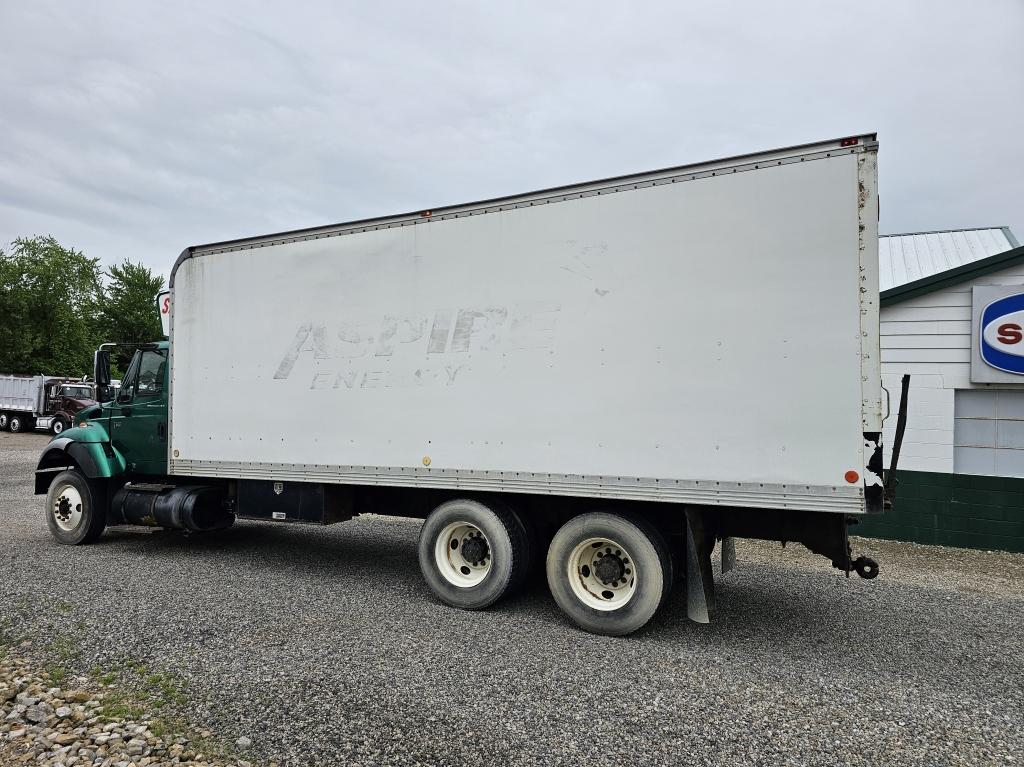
(728, 555)
(700, 581)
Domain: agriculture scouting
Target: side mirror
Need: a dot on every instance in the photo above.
(101, 372)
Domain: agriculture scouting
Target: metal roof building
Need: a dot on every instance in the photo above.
(961, 470)
(904, 258)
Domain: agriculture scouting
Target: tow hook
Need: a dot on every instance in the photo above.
(866, 567)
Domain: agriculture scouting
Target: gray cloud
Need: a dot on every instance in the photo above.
(133, 130)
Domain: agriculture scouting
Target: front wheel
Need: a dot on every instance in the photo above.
(74, 509)
(609, 573)
(59, 424)
(472, 554)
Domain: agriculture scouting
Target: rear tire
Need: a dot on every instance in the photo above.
(472, 554)
(3, 421)
(15, 424)
(609, 572)
(75, 509)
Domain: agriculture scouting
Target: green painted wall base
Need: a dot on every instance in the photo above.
(953, 510)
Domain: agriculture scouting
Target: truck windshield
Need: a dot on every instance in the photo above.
(79, 392)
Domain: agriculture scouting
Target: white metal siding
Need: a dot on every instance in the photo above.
(988, 433)
(930, 337)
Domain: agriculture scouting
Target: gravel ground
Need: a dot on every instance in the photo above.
(323, 645)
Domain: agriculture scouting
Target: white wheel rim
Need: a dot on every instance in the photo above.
(67, 507)
(604, 584)
(463, 554)
(58, 427)
(3, 422)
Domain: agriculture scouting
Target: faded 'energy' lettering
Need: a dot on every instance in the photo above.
(419, 350)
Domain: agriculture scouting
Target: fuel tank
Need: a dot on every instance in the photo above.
(176, 507)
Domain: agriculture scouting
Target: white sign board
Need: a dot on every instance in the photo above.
(997, 334)
(163, 303)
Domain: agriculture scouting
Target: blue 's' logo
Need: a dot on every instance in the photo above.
(1001, 335)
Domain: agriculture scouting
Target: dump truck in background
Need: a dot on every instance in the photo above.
(605, 381)
(47, 403)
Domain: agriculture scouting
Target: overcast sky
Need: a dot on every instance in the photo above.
(134, 129)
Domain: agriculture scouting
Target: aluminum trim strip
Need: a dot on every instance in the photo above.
(848, 500)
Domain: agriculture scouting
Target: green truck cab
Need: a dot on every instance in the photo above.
(111, 467)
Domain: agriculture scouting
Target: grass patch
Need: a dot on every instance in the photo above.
(164, 688)
(64, 649)
(56, 673)
(131, 690)
(139, 691)
(117, 705)
(6, 637)
(101, 676)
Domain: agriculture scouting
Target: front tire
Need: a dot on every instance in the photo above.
(58, 425)
(608, 572)
(74, 509)
(472, 554)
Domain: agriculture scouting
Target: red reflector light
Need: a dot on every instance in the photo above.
(848, 142)
(852, 476)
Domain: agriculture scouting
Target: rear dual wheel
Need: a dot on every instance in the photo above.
(472, 553)
(608, 572)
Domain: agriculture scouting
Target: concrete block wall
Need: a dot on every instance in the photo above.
(962, 510)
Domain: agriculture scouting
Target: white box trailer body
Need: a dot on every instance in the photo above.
(706, 334)
(23, 394)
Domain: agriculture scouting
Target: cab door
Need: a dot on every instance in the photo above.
(138, 416)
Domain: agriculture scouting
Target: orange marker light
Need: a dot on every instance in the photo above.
(852, 477)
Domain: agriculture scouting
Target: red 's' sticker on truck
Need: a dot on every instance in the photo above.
(163, 303)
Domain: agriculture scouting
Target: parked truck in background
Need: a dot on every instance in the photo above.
(48, 403)
(606, 381)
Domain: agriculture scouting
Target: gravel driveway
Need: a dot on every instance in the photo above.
(323, 645)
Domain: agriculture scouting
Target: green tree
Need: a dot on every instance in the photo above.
(128, 312)
(49, 304)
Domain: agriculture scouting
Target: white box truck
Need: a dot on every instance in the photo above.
(606, 380)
